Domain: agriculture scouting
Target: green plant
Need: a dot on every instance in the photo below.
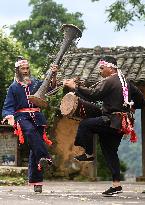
(53, 108)
(102, 170)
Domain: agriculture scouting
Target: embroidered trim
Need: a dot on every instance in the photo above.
(124, 88)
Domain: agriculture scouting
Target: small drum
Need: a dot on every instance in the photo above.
(73, 106)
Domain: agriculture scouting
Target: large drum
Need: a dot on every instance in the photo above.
(74, 107)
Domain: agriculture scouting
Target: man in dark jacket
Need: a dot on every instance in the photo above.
(28, 120)
(119, 98)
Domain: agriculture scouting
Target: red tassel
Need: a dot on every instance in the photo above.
(127, 128)
(49, 142)
(19, 133)
(133, 137)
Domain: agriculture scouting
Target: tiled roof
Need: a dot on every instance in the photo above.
(82, 62)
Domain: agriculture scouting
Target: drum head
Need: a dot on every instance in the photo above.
(69, 104)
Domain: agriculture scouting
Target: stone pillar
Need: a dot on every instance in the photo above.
(95, 155)
(93, 165)
(143, 140)
(142, 178)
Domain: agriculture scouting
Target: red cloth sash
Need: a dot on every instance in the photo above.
(28, 110)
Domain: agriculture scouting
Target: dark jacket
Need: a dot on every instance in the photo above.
(109, 91)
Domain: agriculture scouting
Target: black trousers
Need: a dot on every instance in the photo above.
(109, 141)
(34, 136)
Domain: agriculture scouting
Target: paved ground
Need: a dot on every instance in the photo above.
(72, 193)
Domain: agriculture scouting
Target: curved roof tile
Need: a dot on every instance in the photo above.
(82, 62)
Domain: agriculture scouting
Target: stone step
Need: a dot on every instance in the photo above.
(13, 171)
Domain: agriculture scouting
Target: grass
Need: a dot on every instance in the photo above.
(6, 180)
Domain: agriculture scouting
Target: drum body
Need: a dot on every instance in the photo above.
(74, 107)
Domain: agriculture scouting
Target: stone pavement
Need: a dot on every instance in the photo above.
(72, 193)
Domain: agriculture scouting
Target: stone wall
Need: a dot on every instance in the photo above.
(65, 151)
(8, 146)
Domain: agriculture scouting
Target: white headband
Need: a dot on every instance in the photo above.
(21, 63)
(105, 63)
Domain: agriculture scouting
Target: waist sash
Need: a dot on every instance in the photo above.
(28, 110)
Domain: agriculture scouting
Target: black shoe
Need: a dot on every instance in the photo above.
(111, 191)
(38, 188)
(84, 157)
(45, 163)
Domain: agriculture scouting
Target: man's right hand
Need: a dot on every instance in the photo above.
(54, 68)
(10, 119)
(69, 83)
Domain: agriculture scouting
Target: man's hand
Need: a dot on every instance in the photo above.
(10, 119)
(54, 68)
(69, 83)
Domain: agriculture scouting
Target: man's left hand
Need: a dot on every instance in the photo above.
(54, 68)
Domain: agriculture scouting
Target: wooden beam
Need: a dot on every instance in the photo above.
(95, 156)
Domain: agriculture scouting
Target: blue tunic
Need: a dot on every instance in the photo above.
(31, 123)
(17, 99)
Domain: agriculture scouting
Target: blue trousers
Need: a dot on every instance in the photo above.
(109, 141)
(34, 137)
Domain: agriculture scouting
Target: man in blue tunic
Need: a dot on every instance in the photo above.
(28, 120)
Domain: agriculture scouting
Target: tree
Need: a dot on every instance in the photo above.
(10, 49)
(40, 33)
(125, 12)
